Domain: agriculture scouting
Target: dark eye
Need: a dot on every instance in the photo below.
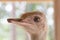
(36, 19)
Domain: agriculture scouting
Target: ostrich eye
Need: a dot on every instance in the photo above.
(36, 19)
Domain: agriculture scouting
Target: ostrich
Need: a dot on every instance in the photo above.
(34, 23)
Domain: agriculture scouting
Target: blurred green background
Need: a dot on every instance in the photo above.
(9, 9)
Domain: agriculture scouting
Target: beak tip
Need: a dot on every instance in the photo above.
(9, 20)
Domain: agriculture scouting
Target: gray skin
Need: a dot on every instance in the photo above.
(34, 23)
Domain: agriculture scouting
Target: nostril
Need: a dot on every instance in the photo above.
(18, 20)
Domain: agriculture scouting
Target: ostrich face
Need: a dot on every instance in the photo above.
(33, 22)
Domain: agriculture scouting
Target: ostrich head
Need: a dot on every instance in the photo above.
(33, 22)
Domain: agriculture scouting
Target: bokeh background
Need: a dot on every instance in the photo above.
(14, 10)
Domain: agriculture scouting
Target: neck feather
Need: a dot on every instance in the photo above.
(40, 36)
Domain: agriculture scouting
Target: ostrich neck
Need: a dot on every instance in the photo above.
(38, 37)
(35, 37)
